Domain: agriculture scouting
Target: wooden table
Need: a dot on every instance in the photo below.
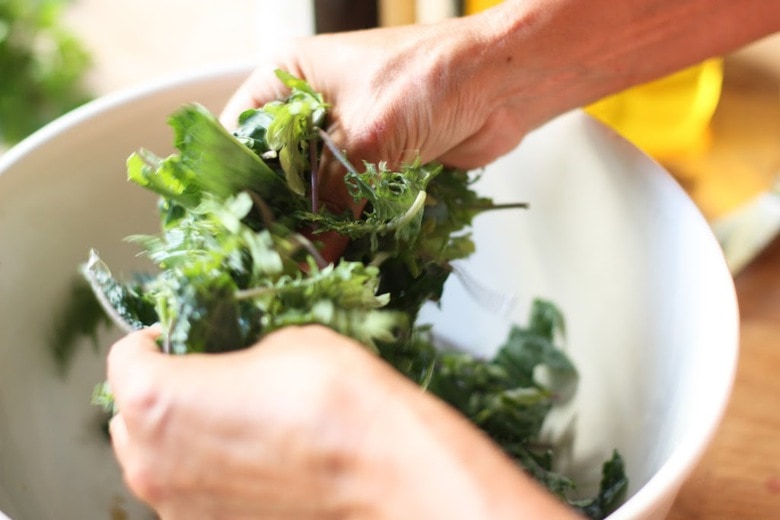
(739, 476)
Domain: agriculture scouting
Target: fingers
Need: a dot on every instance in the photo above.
(138, 378)
(136, 374)
(259, 88)
(129, 355)
(499, 134)
(126, 454)
(119, 437)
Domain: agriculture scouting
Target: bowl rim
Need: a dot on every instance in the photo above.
(116, 99)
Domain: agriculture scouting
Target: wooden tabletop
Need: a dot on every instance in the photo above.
(739, 476)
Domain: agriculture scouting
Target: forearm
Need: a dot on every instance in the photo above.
(555, 55)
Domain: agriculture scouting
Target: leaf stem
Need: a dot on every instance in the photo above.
(166, 346)
(265, 211)
(301, 240)
(254, 292)
(315, 188)
(510, 205)
(336, 152)
(414, 209)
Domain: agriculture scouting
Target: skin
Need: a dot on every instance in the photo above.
(466, 91)
(307, 424)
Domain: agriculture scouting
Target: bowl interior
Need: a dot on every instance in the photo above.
(610, 238)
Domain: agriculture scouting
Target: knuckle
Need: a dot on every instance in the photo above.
(145, 482)
(141, 396)
(145, 405)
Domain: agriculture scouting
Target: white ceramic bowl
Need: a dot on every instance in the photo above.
(610, 237)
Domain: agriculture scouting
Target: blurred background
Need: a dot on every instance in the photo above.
(715, 126)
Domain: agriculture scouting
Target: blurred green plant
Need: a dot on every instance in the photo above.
(42, 66)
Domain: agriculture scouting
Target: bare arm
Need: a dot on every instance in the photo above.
(550, 56)
(467, 90)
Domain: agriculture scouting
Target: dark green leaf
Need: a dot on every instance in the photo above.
(612, 490)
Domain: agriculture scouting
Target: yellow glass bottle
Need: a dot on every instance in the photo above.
(666, 117)
(473, 6)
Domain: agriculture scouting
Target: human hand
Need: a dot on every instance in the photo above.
(466, 90)
(397, 93)
(272, 431)
(306, 424)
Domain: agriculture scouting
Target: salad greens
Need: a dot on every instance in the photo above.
(237, 257)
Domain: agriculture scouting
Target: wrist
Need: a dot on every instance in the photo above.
(531, 65)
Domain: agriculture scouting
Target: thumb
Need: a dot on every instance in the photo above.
(258, 89)
(131, 357)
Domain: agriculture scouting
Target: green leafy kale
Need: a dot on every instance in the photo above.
(507, 399)
(232, 266)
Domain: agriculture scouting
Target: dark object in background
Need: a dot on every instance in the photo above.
(345, 15)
